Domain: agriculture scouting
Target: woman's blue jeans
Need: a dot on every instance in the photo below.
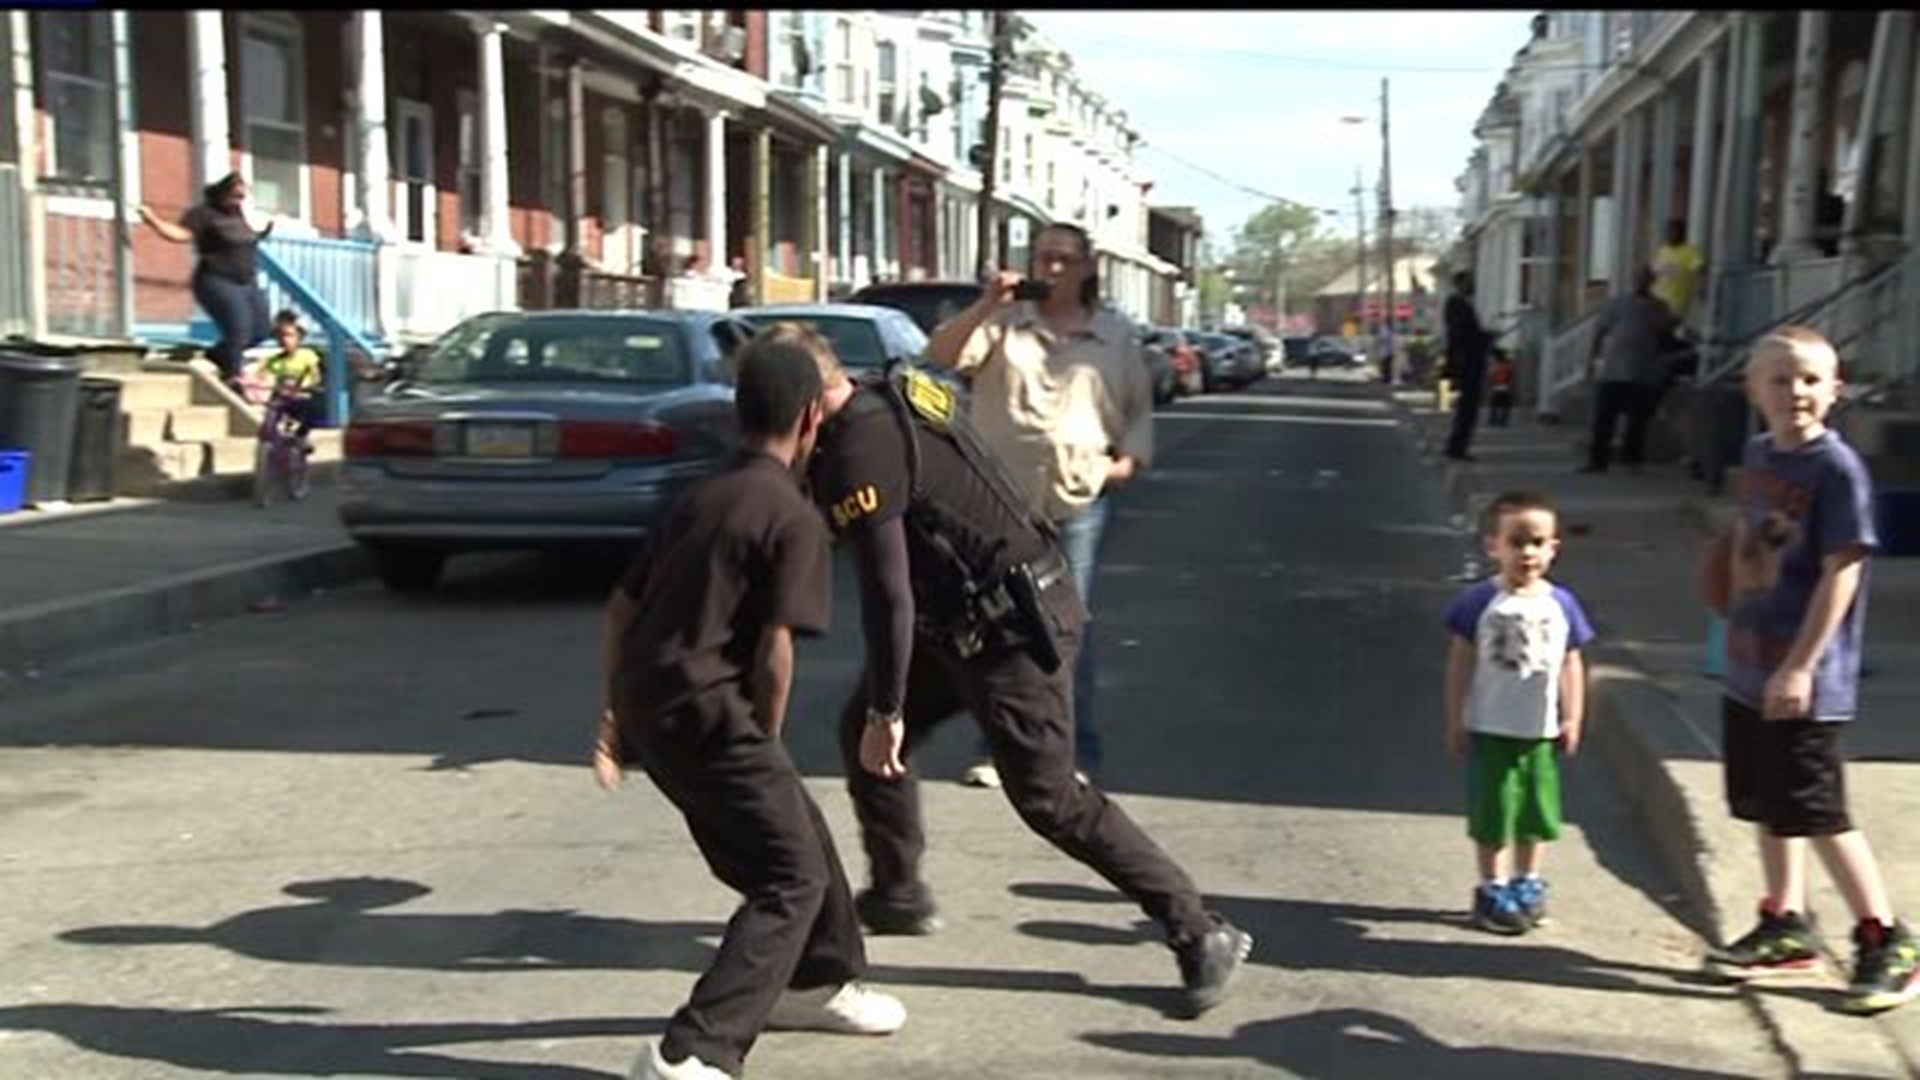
(239, 310)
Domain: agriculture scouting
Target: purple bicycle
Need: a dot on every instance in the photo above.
(280, 454)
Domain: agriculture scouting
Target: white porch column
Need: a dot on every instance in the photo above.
(1701, 176)
(27, 149)
(824, 266)
(717, 194)
(1666, 145)
(370, 128)
(843, 236)
(212, 136)
(1910, 185)
(496, 222)
(1803, 145)
(1616, 266)
(879, 223)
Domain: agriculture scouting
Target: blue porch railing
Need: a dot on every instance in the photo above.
(341, 297)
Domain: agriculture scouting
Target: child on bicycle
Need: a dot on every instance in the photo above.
(294, 371)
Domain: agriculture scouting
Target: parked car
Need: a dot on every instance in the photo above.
(1295, 350)
(864, 336)
(1186, 359)
(536, 430)
(1228, 362)
(927, 303)
(1159, 365)
(1265, 347)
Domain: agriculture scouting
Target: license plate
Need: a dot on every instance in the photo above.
(500, 440)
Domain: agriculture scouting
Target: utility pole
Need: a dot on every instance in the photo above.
(989, 216)
(1360, 251)
(1386, 210)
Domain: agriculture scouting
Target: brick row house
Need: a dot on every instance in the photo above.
(421, 166)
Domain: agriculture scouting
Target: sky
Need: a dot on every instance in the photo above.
(1259, 97)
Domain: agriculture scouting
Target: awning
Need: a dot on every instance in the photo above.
(793, 114)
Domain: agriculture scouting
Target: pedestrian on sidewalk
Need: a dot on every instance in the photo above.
(1516, 698)
(1630, 361)
(698, 655)
(1467, 345)
(968, 603)
(1500, 390)
(1061, 394)
(225, 272)
(1796, 581)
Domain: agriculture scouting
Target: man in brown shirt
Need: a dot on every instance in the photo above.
(697, 649)
(1062, 395)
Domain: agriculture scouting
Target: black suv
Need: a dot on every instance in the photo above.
(928, 303)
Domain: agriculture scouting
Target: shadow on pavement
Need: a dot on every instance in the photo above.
(344, 927)
(1303, 935)
(1352, 1043)
(250, 1041)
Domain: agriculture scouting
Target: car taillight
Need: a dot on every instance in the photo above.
(616, 439)
(388, 438)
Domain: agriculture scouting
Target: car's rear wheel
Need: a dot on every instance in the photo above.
(407, 569)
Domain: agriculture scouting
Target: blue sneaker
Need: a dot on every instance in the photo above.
(1531, 894)
(1496, 911)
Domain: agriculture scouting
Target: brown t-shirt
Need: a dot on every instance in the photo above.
(740, 551)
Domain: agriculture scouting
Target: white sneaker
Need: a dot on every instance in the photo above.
(848, 1009)
(981, 775)
(651, 1066)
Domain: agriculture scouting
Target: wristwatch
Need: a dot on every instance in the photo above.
(876, 716)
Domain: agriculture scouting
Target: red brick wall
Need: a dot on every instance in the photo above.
(755, 23)
(164, 118)
(329, 121)
(526, 125)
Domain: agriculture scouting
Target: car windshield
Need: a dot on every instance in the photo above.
(856, 341)
(927, 305)
(588, 348)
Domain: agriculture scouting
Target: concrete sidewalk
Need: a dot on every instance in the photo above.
(1629, 550)
(92, 577)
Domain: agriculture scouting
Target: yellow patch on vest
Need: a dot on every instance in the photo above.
(856, 506)
(929, 398)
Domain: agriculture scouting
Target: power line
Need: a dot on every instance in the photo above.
(1281, 59)
(1210, 174)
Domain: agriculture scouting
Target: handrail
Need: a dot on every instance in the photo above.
(339, 335)
(1735, 347)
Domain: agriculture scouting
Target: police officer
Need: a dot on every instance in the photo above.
(968, 603)
(698, 653)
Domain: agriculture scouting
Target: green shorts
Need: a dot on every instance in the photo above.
(1513, 790)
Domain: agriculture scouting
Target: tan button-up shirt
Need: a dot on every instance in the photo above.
(1059, 411)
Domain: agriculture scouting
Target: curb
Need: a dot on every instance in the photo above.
(1645, 737)
(42, 637)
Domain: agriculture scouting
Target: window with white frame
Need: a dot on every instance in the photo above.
(273, 83)
(794, 53)
(1027, 156)
(470, 163)
(889, 65)
(681, 25)
(841, 86)
(78, 69)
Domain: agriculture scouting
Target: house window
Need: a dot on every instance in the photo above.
(273, 85)
(795, 55)
(79, 80)
(614, 200)
(842, 63)
(470, 163)
(889, 81)
(681, 25)
(1027, 156)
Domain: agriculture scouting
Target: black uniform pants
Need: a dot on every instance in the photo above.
(764, 837)
(1027, 718)
(1612, 400)
(1468, 389)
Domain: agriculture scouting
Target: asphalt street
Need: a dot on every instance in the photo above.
(357, 837)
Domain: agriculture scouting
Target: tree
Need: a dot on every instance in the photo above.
(1288, 237)
(1426, 230)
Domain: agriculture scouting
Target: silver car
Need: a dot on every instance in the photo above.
(536, 429)
(864, 336)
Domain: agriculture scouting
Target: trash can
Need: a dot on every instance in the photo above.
(1720, 431)
(96, 441)
(39, 402)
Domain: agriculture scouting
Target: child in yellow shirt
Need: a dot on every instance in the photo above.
(296, 366)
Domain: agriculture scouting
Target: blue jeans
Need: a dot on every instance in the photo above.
(1080, 538)
(239, 310)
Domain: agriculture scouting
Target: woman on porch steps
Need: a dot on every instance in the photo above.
(224, 275)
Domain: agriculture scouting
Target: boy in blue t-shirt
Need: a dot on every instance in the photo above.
(1796, 618)
(1516, 695)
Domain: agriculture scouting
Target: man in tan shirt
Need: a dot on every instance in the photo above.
(1061, 393)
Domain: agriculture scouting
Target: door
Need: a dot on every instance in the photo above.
(413, 170)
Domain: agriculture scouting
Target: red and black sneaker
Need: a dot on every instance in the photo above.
(1783, 942)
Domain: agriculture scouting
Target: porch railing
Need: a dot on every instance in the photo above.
(342, 337)
(1563, 363)
(82, 294)
(1861, 317)
(345, 272)
(438, 289)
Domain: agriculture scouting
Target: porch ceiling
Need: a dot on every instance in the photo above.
(1650, 72)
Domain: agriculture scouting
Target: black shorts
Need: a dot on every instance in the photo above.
(1787, 775)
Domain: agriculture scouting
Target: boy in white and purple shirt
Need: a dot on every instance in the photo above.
(1516, 693)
